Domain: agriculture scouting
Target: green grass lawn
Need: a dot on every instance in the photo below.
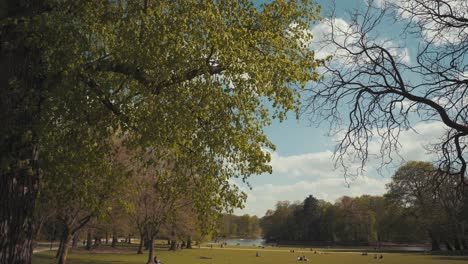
(240, 255)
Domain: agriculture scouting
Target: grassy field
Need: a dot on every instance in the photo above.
(240, 255)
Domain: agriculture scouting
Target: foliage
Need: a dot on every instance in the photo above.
(361, 220)
(233, 226)
(428, 194)
(197, 78)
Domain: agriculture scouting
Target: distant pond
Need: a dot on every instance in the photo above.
(242, 241)
(261, 242)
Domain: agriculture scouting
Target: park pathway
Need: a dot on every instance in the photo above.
(41, 247)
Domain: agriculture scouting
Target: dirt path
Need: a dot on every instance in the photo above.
(41, 249)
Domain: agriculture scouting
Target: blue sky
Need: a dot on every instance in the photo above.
(302, 163)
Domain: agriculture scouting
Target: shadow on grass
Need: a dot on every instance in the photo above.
(48, 258)
(460, 258)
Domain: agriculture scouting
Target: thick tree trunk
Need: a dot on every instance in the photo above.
(435, 246)
(129, 239)
(89, 240)
(151, 251)
(107, 237)
(140, 246)
(448, 246)
(147, 243)
(18, 191)
(457, 244)
(173, 245)
(63, 251)
(20, 110)
(57, 254)
(97, 241)
(114, 239)
(189, 243)
(464, 244)
(75, 240)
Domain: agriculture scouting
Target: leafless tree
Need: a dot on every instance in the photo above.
(374, 89)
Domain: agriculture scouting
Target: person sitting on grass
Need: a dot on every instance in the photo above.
(156, 260)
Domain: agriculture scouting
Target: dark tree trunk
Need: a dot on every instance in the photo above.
(140, 246)
(150, 251)
(448, 246)
(464, 244)
(65, 240)
(89, 240)
(114, 239)
(435, 246)
(57, 254)
(97, 241)
(189, 243)
(75, 240)
(147, 243)
(129, 239)
(456, 243)
(107, 237)
(173, 245)
(20, 110)
(64, 246)
(18, 192)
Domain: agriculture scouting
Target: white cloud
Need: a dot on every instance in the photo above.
(321, 33)
(308, 164)
(347, 36)
(314, 173)
(433, 31)
(264, 197)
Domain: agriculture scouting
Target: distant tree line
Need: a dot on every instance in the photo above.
(417, 208)
(233, 226)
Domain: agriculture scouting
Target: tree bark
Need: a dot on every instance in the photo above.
(57, 254)
(129, 239)
(151, 251)
(173, 245)
(448, 246)
(20, 111)
(140, 246)
(189, 243)
(89, 240)
(464, 244)
(97, 241)
(435, 246)
(64, 247)
(147, 243)
(114, 239)
(457, 244)
(76, 238)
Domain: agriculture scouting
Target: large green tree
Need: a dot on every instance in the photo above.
(429, 194)
(199, 75)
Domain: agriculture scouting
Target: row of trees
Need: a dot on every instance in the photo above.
(244, 226)
(418, 208)
(353, 221)
(140, 108)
